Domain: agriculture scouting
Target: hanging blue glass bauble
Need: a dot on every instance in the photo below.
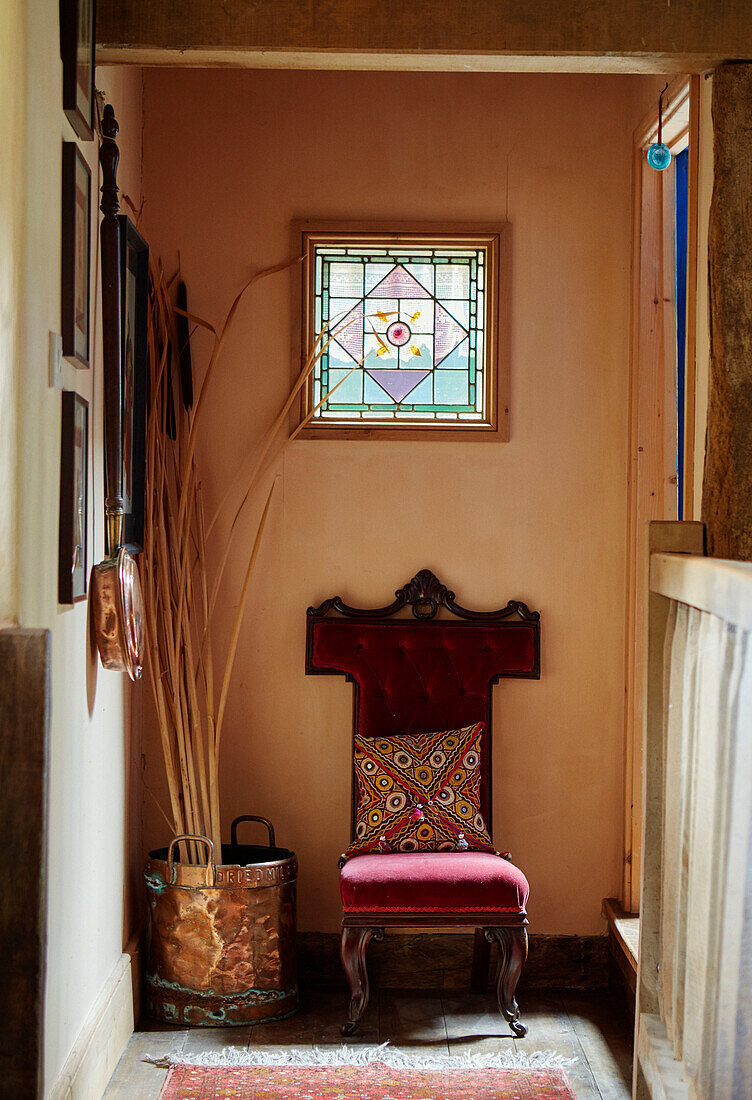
(659, 156)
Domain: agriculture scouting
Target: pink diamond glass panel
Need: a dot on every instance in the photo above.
(409, 330)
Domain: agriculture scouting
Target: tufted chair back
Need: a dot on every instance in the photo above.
(425, 673)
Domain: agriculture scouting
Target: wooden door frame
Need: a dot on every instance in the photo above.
(651, 471)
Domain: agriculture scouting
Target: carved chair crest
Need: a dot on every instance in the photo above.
(424, 594)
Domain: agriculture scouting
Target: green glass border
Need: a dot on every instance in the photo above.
(324, 257)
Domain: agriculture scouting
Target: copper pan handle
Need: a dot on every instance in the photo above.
(211, 870)
(251, 817)
(116, 599)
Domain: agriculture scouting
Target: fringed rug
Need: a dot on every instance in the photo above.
(377, 1074)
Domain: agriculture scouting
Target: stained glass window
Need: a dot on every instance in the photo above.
(410, 330)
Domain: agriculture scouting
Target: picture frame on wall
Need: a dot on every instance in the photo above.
(77, 50)
(134, 305)
(74, 497)
(76, 256)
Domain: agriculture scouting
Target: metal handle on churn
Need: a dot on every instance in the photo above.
(211, 870)
(251, 817)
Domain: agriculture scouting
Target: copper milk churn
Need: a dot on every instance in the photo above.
(222, 935)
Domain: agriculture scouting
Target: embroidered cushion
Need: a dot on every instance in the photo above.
(420, 793)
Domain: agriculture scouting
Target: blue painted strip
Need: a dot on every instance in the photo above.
(680, 251)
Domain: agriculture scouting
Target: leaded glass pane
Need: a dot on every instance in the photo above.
(408, 326)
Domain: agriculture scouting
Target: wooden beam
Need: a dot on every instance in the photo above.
(685, 539)
(690, 357)
(727, 485)
(582, 35)
(24, 725)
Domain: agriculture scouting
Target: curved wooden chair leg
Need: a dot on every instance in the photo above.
(352, 951)
(513, 952)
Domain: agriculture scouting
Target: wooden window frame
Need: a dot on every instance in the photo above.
(308, 234)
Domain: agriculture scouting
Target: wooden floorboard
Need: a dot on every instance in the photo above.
(317, 1024)
(474, 1024)
(584, 1025)
(206, 1040)
(606, 1041)
(550, 1028)
(413, 1022)
(133, 1077)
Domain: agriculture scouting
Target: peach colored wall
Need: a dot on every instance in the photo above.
(229, 159)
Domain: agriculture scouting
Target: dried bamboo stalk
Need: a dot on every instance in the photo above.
(217, 351)
(257, 471)
(181, 584)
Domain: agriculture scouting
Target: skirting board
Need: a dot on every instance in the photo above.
(101, 1041)
(430, 960)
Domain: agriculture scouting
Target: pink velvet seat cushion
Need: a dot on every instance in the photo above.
(432, 882)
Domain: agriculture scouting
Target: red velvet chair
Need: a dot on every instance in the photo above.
(421, 675)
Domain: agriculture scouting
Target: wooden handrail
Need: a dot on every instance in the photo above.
(696, 898)
(720, 587)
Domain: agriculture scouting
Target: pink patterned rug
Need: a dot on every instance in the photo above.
(371, 1082)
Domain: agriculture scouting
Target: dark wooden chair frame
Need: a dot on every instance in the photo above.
(425, 595)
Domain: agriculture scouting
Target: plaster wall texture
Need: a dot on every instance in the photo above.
(12, 119)
(90, 743)
(230, 158)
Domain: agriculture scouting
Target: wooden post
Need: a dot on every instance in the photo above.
(24, 734)
(727, 486)
(682, 538)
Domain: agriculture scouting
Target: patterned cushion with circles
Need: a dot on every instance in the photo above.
(420, 793)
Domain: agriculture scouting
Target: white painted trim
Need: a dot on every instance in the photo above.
(720, 587)
(101, 1042)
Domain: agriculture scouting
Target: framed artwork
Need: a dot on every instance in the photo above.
(134, 305)
(76, 256)
(77, 48)
(74, 490)
(414, 316)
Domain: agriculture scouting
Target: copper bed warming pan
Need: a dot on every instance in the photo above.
(116, 600)
(118, 613)
(222, 935)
